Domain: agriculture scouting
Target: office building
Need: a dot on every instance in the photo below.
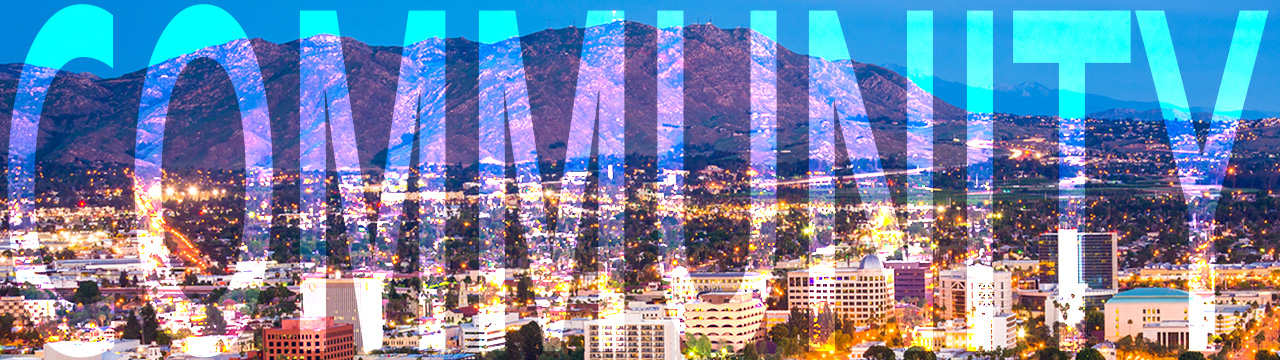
(309, 339)
(1098, 265)
(863, 294)
(979, 302)
(629, 336)
(354, 301)
(911, 281)
(956, 285)
(729, 320)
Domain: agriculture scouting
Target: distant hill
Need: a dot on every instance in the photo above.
(1034, 98)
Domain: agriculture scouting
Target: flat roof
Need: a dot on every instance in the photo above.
(1150, 295)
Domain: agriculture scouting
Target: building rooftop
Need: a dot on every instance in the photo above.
(871, 262)
(1148, 295)
(741, 274)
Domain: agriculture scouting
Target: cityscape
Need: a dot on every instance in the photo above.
(618, 191)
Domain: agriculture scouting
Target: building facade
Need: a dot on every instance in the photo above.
(13, 305)
(911, 281)
(354, 301)
(728, 282)
(863, 294)
(732, 320)
(1098, 263)
(628, 336)
(1161, 314)
(1128, 312)
(309, 339)
(486, 332)
(955, 286)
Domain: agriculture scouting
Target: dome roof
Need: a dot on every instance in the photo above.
(871, 262)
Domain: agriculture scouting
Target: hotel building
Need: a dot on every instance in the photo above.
(863, 294)
(629, 336)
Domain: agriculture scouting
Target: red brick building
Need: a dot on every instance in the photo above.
(309, 339)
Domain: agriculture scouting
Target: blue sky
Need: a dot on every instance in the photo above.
(875, 31)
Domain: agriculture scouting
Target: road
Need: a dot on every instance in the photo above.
(1249, 348)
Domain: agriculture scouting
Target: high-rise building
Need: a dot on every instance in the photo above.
(354, 301)
(863, 294)
(1098, 266)
(957, 285)
(911, 281)
(630, 336)
(309, 339)
(729, 320)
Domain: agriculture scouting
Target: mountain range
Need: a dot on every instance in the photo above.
(92, 119)
(1034, 98)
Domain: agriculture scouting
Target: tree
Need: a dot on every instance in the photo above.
(6, 326)
(697, 347)
(163, 338)
(1052, 353)
(1191, 355)
(750, 352)
(1265, 355)
(86, 293)
(524, 289)
(150, 324)
(515, 347)
(214, 323)
(918, 353)
(1089, 354)
(124, 279)
(1094, 321)
(132, 328)
(531, 341)
(880, 352)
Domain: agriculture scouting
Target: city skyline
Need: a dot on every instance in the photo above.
(619, 190)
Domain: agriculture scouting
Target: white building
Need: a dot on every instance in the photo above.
(486, 332)
(76, 350)
(97, 350)
(431, 339)
(1161, 315)
(355, 301)
(955, 287)
(732, 320)
(679, 285)
(40, 308)
(863, 294)
(629, 336)
(207, 346)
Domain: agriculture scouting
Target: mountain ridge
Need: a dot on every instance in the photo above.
(87, 118)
